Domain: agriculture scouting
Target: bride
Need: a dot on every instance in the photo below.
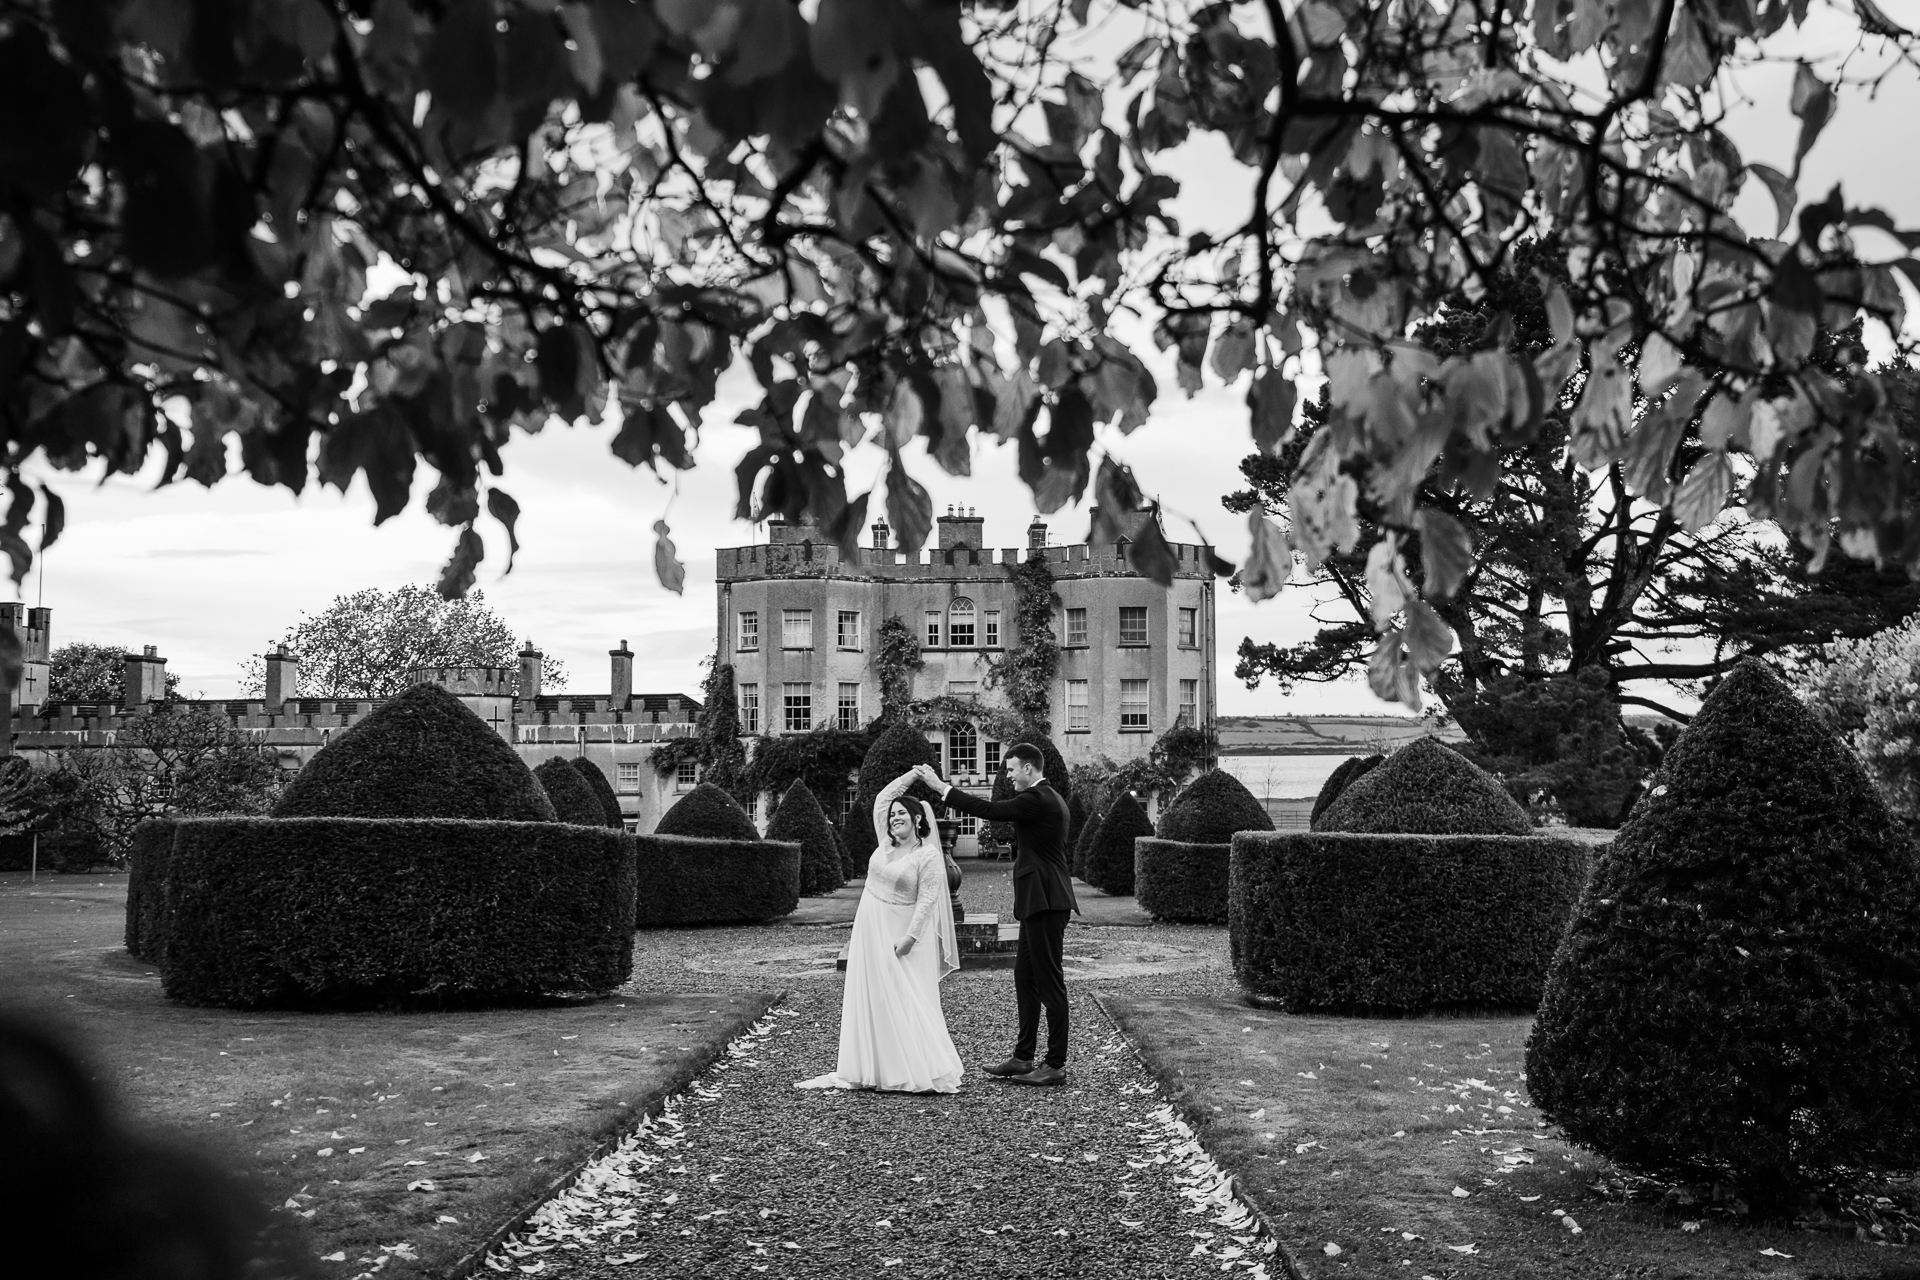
(892, 1033)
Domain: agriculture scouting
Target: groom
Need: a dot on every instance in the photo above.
(1042, 900)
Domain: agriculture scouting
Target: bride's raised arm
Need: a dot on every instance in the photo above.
(888, 794)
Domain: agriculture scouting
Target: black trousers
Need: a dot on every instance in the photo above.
(1040, 980)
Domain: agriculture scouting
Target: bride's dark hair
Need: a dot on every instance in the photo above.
(915, 815)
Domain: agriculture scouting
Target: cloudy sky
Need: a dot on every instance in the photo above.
(213, 576)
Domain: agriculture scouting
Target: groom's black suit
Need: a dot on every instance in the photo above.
(1042, 899)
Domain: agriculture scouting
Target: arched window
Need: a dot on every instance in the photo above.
(960, 624)
(963, 750)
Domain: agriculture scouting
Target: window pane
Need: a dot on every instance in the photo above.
(1076, 626)
(797, 705)
(1078, 713)
(1189, 626)
(749, 708)
(796, 629)
(990, 628)
(990, 758)
(849, 706)
(686, 773)
(749, 629)
(963, 750)
(849, 629)
(629, 777)
(1133, 624)
(1189, 701)
(1133, 704)
(933, 630)
(960, 624)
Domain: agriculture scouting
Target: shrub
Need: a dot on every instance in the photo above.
(684, 880)
(1555, 742)
(1089, 834)
(1344, 775)
(1053, 767)
(1076, 819)
(152, 847)
(1399, 924)
(277, 912)
(1863, 690)
(800, 820)
(894, 752)
(422, 754)
(1738, 998)
(603, 791)
(1212, 808)
(1426, 789)
(1110, 856)
(707, 813)
(572, 798)
(1176, 880)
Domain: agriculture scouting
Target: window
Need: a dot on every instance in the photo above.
(848, 716)
(1190, 702)
(990, 758)
(753, 809)
(849, 629)
(797, 703)
(629, 776)
(1076, 626)
(969, 825)
(849, 798)
(933, 629)
(960, 624)
(686, 775)
(990, 629)
(749, 630)
(796, 628)
(1133, 624)
(1190, 627)
(963, 751)
(749, 708)
(1079, 715)
(1133, 706)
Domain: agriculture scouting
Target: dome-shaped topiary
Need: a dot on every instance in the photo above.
(1053, 767)
(709, 813)
(573, 800)
(421, 754)
(1110, 855)
(1738, 996)
(1214, 806)
(800, 819)
(1081, 847)
(1345, 774)
(894, 752)
(1425, 788)
(603, 791)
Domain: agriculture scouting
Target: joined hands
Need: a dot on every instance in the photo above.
(929, 775)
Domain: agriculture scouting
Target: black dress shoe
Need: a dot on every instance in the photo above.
(1042, 1074)
(1011, 1067)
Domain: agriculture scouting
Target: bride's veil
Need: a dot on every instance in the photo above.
(943, 914)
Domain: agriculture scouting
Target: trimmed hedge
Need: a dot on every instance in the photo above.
(1399, 924)
(290, 912)
(800, 820)
(1739, 995)
(1110, 856)
(1344, 775)
(147, 857)
(892, 754)
(1181, 880)
(1212, 809)
(603, 791)
(1425, 788)
(707, 813)
(684, 880)
(572, 796)
(421, 754)
(1089, 834)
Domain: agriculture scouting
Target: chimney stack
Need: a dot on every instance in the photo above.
(532, 665)
(145, 680)
(283, 678)
(622, 676)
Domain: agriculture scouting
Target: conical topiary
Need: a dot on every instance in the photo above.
(1053, 767)
(1076, 818)
(1110, 856)
(602, 789)
(707, 812)
(421, 754)
(1738, 997)
(800, 819)
(573, 800)
(1425, 788)
(1345, 774)
(894, 752)
(1081, 847)
(1214, 806)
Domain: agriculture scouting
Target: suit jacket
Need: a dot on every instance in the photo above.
(1042, 875)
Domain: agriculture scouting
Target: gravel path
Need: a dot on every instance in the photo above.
(748, 1174)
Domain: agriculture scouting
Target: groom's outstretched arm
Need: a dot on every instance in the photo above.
(1024, 806)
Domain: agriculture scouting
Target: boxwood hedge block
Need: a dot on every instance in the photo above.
(1399, 924)
(1343, 776)
(421, 754)
(1425, 788)
(293, 912)
(1181, 881)
(147, 858)
(572, 796)
(1089, 834)
(683, 880)
(1739, 995)
(894, 752)
(708, 813)
(1214, 806)
(1110, 856)
(596, 778)
(801, 820)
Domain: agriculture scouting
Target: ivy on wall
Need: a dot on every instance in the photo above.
(896, 656)
(1025, 672)
(824, 759)
(715, 746)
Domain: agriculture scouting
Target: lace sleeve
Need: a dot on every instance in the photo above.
(888, 794)
(930, 893)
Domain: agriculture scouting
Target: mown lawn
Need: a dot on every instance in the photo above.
(1410, 1148)
(408, 1136)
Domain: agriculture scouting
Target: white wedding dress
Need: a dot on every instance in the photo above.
(893, 1034)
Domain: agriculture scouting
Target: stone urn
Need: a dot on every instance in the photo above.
(949, 837)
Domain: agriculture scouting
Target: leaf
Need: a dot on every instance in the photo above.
(847, 524)
(462, 65)
(1428, 638)
(1605, 411)
(502, 507)
(909, 506)
(1785, 197)
(666, 560)
(904, 415)
(1269, 563)
(1812, 103)
(1233, 350)
(1148, 554)
(457, 578)
(1703, 494)
(1725, 420)
(1560, 315)
(1390, 675)
(1446, 552)
(1659, 365)
(54, 522)
(1386, 580)
(1271, 399)
(1874, 19)
(1117, 499)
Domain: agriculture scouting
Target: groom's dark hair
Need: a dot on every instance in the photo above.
(1025, 751)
